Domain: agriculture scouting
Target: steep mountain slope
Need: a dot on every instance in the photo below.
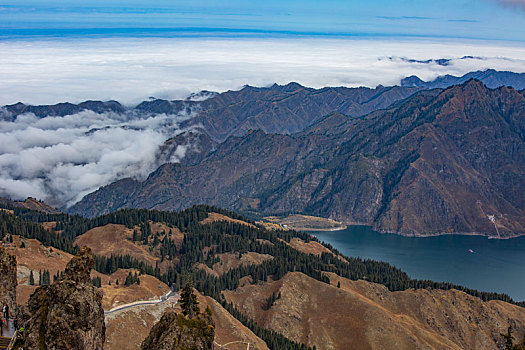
(276, 109)
(490, 77)
(438, 162)
(141, 319)
(363, 315)
(288, 109)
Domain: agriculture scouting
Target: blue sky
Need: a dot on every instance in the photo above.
(462, 19)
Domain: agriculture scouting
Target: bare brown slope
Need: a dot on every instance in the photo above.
(214, 217)
(35, 257)
(115, 295)
(141, 319)
(231, 261)
(363, 315)
(30, 203)
(112, 238)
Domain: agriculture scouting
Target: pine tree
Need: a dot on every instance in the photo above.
(31, 279)
(188, 301)
(508, 339)
(129, 280)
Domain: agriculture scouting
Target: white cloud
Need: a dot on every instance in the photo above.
(61, 159)
(131, 70)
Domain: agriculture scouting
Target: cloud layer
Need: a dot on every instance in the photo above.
(61, 159)
(131, 70)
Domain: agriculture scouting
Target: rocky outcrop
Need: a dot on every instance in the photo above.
(7, 280)
(67, 314)
(176, 332)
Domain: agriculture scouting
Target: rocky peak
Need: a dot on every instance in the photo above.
(67, 314)
(79, 268)
(175, 331)
(412, 81)
(7, 279)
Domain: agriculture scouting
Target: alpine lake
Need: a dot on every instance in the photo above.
(492, 265)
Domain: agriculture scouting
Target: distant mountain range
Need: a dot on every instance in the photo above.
(491, 78)
(415, 159)
(437, 162)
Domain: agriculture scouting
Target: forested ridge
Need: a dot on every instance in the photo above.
(203, 242)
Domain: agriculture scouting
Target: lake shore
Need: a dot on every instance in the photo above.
(470, 259)
(417, 235)
(301, 222)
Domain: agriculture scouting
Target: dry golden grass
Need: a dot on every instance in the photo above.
(35, 257)
(363, 315)
(176, 235)
(127, 329)
(50, 225)
(149, 288)
(232, 261)
(311, 247)
(304, 223)
(213, 217)
(115, 239)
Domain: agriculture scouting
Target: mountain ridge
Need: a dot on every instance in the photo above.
(490, 77)
(369, 168)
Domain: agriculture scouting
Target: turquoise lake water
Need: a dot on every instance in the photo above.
(493, 265)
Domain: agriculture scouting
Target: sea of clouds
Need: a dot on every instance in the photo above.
(60, 159)
(130, 70)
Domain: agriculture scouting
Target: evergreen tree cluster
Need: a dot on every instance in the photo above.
(508, 340)
(131, 279)
(271, 300)
(203, 244)
(188, 301)
(44, 278)
(96, 281)
(14, 225)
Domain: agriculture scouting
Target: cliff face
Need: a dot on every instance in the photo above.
(7, 280)
(68, 314)
(176, 332)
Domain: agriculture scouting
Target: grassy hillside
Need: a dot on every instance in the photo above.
(220, 250)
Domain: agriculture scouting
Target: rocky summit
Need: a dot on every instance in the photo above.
(177, 332)
(67, 314)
